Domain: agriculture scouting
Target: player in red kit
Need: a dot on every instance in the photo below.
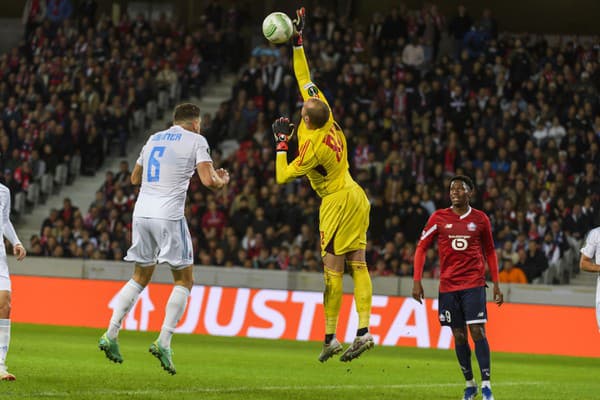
(465, 243)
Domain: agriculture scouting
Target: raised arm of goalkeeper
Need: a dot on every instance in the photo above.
(307, 87)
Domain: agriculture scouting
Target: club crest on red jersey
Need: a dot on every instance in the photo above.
(471, 226)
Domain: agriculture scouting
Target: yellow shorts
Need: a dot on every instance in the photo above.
(343, 221)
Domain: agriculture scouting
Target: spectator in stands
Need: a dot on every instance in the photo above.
(23, 176)
(123, 177)
(68, 211)
(59, 10)
(459, 26)
(35, 246)
(576, 225)
(551, 249)
(213, 221)
(87, 9)
(242, 217)
(535, 262)
(413, 54)
(49, 221)
(520, 65)
(488, 23)
(510, 273)
(34, 14)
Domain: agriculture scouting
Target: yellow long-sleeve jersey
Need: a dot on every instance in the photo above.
(322, 153)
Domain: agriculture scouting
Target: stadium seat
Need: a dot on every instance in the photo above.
(33, 193)
(61, 174)
(46, 184)
(19, 203)
(151, 110)
(75, 165)
(163, 100)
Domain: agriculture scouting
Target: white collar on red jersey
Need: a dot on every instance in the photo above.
(465, 215)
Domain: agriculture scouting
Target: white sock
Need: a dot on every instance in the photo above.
(173, 312)
(125, 300)
(486, 384)
(4, 341)
(471, 383)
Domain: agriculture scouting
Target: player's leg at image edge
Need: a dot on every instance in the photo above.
(332, 302)
(363, 293)
(4, 341)
(126, 298)
(161, 348)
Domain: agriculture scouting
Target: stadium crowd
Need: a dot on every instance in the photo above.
(421, 97)
(77, 86)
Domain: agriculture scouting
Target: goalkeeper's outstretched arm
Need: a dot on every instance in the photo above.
(301, 70)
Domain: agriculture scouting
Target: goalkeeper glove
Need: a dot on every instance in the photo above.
(298, 27)
(283, 131)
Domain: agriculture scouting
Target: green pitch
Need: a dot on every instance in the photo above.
(58, 362)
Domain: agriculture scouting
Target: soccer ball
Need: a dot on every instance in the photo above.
(277, 27)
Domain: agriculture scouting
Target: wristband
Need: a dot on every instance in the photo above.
(282, 146)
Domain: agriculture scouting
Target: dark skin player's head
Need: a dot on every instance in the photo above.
(461, 190)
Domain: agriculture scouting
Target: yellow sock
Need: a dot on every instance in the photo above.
(363, 291)
(332, 298)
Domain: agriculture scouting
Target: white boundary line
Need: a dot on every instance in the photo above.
(209, 390)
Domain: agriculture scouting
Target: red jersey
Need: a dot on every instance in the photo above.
(463, 242)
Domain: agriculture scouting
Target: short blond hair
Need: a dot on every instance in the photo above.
(318, 112)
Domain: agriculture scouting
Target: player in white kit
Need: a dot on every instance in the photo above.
(7, 230)
(590, 261)
(160, 232)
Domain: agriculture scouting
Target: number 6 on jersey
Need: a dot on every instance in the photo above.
(154, 163)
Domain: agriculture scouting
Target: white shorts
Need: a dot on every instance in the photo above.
(160, 241)
(4, 276)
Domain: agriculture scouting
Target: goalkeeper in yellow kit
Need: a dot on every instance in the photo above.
(344, 213)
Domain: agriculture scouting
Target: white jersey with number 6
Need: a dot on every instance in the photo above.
(592, 250)
(168, 161)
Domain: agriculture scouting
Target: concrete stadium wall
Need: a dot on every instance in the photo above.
(264, 279)
(11, 33)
